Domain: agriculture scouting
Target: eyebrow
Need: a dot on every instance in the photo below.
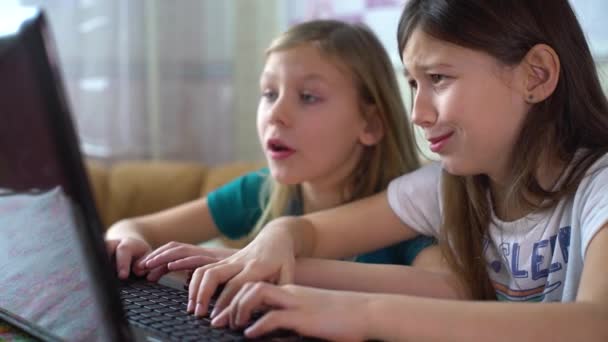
(314, 77)
(426, 67)
(307, 78)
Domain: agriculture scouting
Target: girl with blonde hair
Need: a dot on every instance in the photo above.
(333, 129)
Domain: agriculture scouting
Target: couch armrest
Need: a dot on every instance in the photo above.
(98, 179)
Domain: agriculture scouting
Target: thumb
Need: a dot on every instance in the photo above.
(111, 247)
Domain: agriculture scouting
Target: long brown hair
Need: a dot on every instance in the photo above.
(574, 119)
(357, 49)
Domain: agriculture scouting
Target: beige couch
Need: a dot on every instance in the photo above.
(127, 189)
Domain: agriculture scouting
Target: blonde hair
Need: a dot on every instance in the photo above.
(356, 48)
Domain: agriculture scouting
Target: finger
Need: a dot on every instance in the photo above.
(234, 308)
(205, 291)
(191, 262)
(223, 318)
(135, 268)
(230, 290)
(212, 278)
(123, 260)
(193, 286)
(169, 255)
(256, 297)
(157, 251)
(280, 319)
(155, 273)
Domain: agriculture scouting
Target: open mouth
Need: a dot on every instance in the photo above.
(276, 145)
(278, 149)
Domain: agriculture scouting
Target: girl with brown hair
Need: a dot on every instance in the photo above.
(508, 95)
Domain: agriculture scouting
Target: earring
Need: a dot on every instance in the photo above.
(530, 98)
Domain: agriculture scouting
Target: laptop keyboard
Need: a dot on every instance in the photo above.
(163, 310)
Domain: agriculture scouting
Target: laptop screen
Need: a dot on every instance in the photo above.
(54, 273)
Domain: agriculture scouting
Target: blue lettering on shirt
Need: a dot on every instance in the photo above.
(535, 268)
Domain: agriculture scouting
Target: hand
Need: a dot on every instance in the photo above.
(177, 256)
(270, 257)
(331, 315)
(128, 251)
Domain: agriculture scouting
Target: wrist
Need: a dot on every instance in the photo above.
(382, 322)
(373, 321)
(285, 230)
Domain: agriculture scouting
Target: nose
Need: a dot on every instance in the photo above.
(279, 111)
(423, 110)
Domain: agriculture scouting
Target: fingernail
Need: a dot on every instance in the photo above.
(199, 310)
(190, 306)
(214, 313)
(214, 322)
(123, 274)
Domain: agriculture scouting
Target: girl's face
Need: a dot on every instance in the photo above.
(470, 106)
(309, 119)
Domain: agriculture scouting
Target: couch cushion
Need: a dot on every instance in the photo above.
(139, 188)
(222, 174)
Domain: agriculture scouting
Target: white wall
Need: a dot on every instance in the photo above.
(257, 22)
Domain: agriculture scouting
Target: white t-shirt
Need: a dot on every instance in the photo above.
(536, 258)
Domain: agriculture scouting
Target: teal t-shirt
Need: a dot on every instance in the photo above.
(236, 208)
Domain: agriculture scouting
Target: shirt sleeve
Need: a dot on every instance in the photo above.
(593, 202)
(236, 207)
(415, 199)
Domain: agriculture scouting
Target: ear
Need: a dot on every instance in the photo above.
(373, 130)
(541, 67)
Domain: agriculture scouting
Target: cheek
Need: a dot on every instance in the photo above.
(498, 123)
(260, 121)
(332, 139)
(453, 106)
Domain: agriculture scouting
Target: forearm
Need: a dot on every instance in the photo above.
(188, 223)
(342, 231)
(402, 317)
(147, 229)
(397, 279)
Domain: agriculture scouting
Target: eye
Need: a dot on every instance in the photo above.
(270, 95)
(436, 78)
(309, 98)
(412, 84)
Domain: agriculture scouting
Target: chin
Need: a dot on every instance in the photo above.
(283, 176)
(455, 168)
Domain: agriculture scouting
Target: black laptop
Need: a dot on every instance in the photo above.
(56, 281)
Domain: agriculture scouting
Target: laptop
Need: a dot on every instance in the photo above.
(57, 282)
